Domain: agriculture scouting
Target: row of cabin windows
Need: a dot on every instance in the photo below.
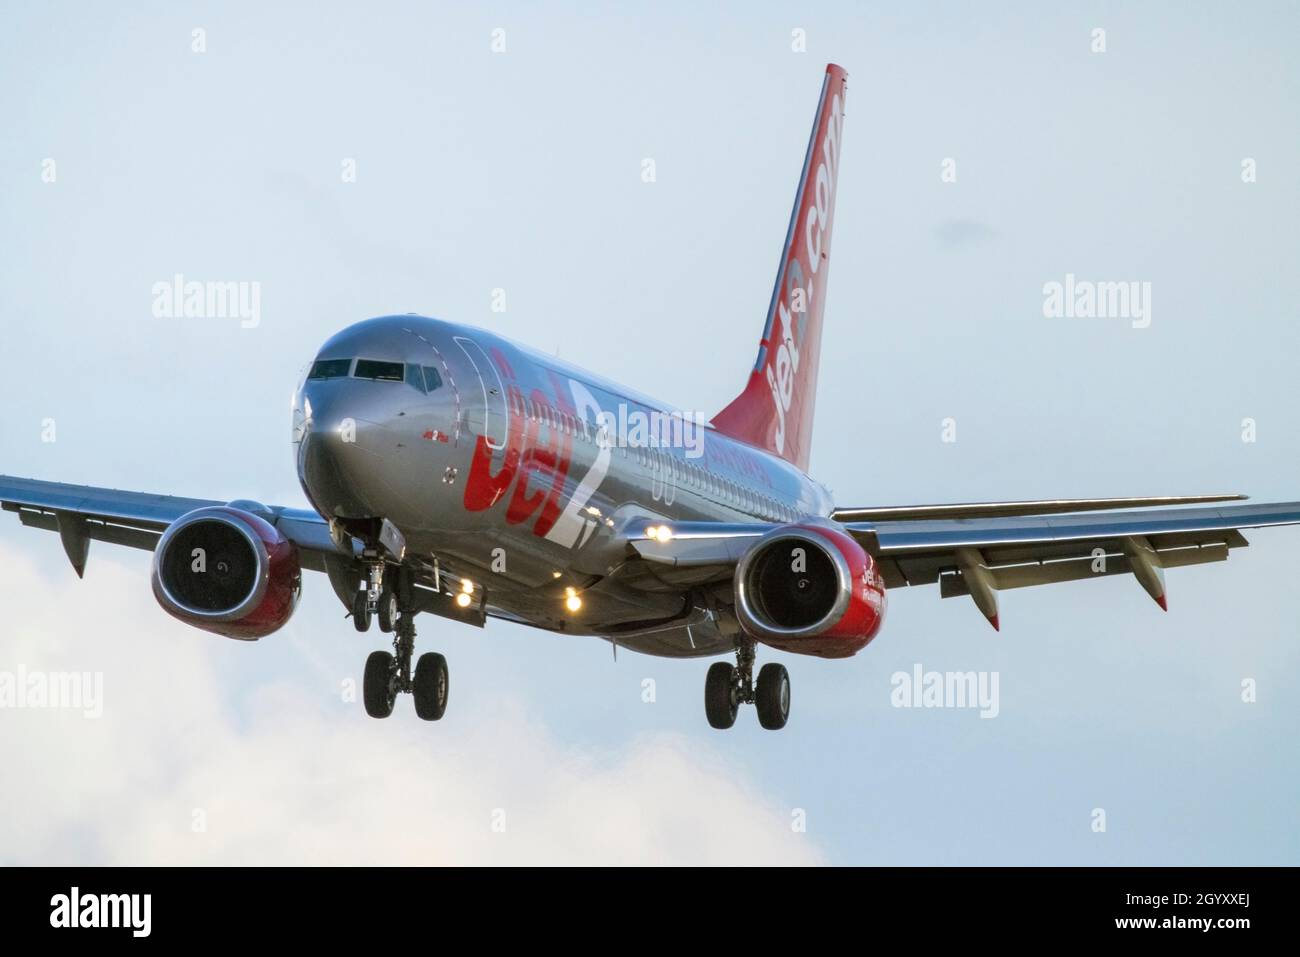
(427, 379)
(424, 378)
(693, 476)
(546, 415)
(719, 488)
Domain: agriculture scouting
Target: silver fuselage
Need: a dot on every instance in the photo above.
(520, 472)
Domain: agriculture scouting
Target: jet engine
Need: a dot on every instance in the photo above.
(228, 571)
(810, 589)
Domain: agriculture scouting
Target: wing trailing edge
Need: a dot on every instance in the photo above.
(1051, 506)
(983, 555)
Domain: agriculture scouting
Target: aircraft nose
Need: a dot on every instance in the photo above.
(331, 464)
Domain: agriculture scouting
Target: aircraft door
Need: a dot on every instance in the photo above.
(488, 413)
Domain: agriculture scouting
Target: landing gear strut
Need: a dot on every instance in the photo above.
(727, 687)
(389, 674)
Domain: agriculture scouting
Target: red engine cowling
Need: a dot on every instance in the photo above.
(227, 571)
(811, 590)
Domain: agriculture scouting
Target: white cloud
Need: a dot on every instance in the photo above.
(283, 777)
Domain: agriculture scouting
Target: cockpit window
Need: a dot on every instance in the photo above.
(414, 377)
(375, 369)
(329, 369)
(431, 378)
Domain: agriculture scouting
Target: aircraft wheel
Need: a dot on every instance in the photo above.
(387, 611)
(431, 684)
(772, 696)
(720, 701)
(361, 611)
(378, 689)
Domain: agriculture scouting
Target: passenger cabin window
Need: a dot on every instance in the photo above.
(375, 369)
(329, 369)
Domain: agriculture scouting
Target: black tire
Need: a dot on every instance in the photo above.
(361, 612)
(772, 696)
(720, 704)
(387, 611)
(431, 684)
(377, 688)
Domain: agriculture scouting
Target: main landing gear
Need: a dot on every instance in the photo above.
(727, 687)
(389, 674)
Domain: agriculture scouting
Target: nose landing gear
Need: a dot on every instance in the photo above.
(727, 687)
(389, 674)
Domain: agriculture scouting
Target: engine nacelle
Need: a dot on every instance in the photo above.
(227, 571)
(811, 590)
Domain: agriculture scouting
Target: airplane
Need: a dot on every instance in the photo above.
(455, 472)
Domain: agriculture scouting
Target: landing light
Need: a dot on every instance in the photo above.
(659, 533)
(572, 601)
(463, 599)
(467, 586)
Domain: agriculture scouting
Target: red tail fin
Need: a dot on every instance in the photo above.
(775, 412)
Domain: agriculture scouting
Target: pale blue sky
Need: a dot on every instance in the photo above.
(521, 170)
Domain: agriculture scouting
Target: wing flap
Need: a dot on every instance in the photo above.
(981, 557)
(1058, 506)
(952, 584)
(84, 513)
(1035, 532)
(93, 529)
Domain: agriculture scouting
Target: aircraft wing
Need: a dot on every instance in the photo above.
(83, 513)
(980, 557)
(1012, 545)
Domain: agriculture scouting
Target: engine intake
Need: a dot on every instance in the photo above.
(810, 589)
(227, 571)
